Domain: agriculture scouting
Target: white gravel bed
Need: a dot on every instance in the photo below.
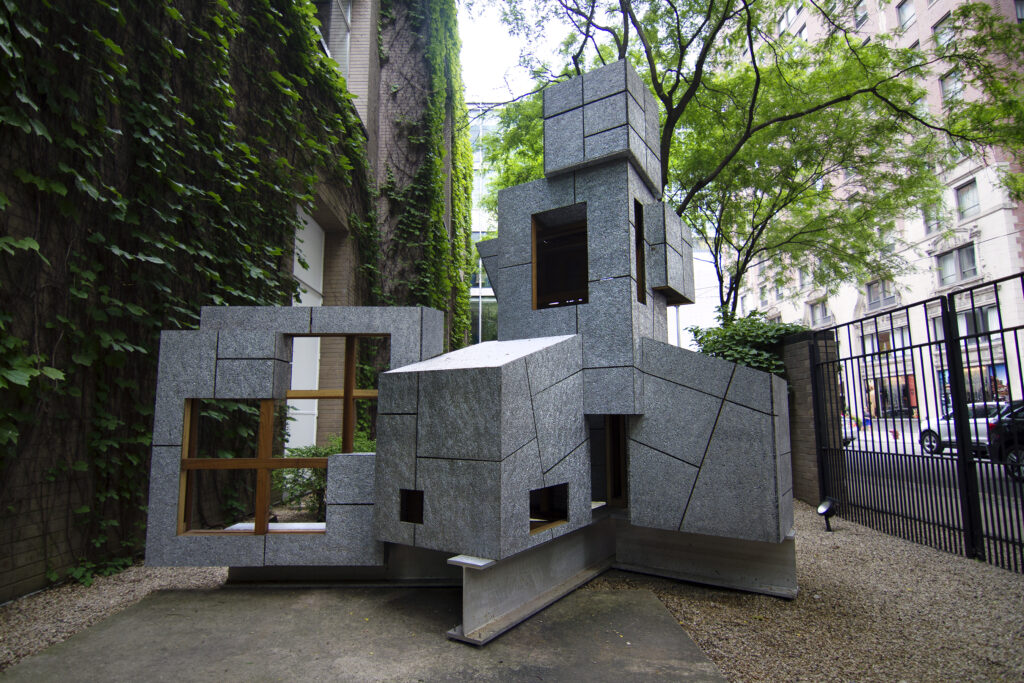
(871, 607)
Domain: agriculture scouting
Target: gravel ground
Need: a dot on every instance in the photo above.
(871, 607)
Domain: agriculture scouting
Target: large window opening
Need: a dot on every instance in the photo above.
(549, 507)
(560, 257)
(608, 462)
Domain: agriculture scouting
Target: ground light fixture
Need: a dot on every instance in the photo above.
(826, 509)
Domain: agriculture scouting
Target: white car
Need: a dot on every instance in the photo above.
(937, 434)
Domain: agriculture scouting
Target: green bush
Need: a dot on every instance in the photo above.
(752, 341)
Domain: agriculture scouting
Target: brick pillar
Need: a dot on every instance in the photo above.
(796, 354)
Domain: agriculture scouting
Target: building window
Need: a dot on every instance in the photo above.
(957, 265)
(967, 200)
(764, 296)
(932, 218)
(819, 313)
(906, 14)
(803, 277)
(743, 305)
(1020, 11)
(886, 340)
(560, 257)
(941, 33)
(778, 292)
(860, 13)
(880, 294)
(951, 86)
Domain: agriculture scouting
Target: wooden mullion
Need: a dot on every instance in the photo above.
(264, 454)
(358, 394)
(189, 449)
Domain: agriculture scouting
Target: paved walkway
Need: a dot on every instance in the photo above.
(365, 634)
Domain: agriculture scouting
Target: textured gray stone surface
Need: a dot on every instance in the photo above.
(604, 81)
(281, 319)
(606, 324)
(520, 474)
(574, 470)
(397, 392)
(162, 515)
(607, 144)
(213, 550)
(676, 420)
(736, 494)
(609, 245)
(751, 388)
(558, 411)
(186, 369)
(517, 205)
(560, 97)
(554, 363)
(432, 336)
(235, 343)
(461, 506)
(252, 379)
(518, 320)
(563, 141)
(659, 487)
(780, 408)
(395, 470)
(605, 114)
(460, 401)
(350, 479)
(684, 367)
(349, 540)
(516, 420)
(609, 391)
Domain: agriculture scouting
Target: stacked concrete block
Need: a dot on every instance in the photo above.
(491, 423)
(721, 471)
(245, 353)
(670, 263)
(606, 114)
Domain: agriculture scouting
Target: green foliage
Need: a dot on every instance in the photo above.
(750, 341)
(438, 245)
(514, 150)
(152, 156)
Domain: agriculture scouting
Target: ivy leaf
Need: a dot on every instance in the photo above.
(53, 373)
(19, 376)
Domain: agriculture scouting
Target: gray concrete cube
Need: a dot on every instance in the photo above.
(561, 97)
(605, 114)
(397, 392)
(281, 319)
(350, 479)
(461, 506)
(563, 141)
(254, 345)
(252, 379)
(558, 413)
(659, 487)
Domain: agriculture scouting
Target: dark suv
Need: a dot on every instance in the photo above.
(1006, 441)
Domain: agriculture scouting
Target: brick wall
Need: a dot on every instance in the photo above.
(797, 357)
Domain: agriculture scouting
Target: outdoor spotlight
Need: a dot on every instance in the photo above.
(826, 510)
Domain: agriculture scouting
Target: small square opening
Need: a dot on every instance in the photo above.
(410, 506)
(549, 507)
(560, 257)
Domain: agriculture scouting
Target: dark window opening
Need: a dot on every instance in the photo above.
(549, 507)
(641, 261)
(410, 506)
(560, 257)
(615, 447)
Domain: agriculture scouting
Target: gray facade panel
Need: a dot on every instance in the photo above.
(659, 487)
(350, 479)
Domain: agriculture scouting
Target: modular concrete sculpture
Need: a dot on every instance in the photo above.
(576, 442)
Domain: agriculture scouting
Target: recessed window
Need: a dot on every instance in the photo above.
(957, 265)
(819, 313)
(410, 506)
(641, 259)
(941, 32)
(905, 12)
(932, 218)
(880, 293)
(1020, 11)
(549, 507)
(952, 87)
(860, 13)
(804, 277)
(967, 200)
(560, 257)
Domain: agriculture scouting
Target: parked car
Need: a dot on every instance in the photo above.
(1006, 440)
(937, 434)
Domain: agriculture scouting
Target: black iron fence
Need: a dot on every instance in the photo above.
(920, 421)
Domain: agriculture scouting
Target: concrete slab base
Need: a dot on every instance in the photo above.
(369, 634)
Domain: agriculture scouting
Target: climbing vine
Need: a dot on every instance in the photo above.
(427, 202)
(152, 157)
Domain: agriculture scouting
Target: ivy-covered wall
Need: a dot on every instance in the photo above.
(425, 169)
(152, 156)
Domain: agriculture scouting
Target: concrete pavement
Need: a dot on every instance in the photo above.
(369, 634)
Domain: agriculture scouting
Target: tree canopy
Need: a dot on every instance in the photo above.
(772, 148)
